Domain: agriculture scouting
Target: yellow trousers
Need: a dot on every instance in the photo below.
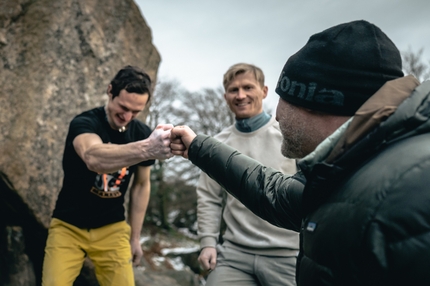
(108, 247)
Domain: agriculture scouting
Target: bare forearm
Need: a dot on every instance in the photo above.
(138, 206)
(136, 222)
(105, 158)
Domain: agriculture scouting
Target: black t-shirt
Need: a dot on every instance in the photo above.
(88, 199)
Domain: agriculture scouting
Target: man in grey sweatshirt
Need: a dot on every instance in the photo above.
(252, 251)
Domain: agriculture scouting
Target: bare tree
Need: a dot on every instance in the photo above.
(162, 110)
(413, 64)
(206, 112)
(166, 97)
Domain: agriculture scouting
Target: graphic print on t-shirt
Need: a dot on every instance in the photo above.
(108, 185)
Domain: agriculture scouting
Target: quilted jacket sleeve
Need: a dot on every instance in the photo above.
(268, 193)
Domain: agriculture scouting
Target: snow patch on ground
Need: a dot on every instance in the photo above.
(179, 250)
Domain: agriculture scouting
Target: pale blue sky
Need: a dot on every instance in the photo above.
(199, 39)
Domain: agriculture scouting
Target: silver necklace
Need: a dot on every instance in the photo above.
(121, 129)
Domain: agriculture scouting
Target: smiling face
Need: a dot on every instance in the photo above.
(244, 95)
(123, 108)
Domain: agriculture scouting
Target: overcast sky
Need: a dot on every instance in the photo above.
(200, 39)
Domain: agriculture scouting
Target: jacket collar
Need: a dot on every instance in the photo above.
(379, 122)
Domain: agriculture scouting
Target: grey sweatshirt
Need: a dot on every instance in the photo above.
(244, 230)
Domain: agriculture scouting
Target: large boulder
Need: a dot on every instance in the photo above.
(56, 60)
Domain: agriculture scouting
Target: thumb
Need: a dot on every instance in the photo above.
(164, 127)
(212, 264)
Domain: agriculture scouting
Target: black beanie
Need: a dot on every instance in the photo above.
(340, 68)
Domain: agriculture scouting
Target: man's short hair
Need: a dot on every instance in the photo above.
(133, 80)
(241, 68)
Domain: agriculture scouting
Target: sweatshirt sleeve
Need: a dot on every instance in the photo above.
(209, 210)
(268, 193)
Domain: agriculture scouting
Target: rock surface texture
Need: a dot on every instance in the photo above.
(56, 60)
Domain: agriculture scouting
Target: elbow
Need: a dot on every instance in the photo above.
(94, 168)
(92, 164)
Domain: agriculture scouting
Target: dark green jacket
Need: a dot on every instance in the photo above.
(364, 215)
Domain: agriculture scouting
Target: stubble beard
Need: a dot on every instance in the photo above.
(291, 147)
(298, 136)
(297, 143)
(297, 140)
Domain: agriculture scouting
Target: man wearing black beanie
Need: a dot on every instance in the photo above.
(362, 131)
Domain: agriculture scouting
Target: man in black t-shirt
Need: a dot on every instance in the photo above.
(104, 148)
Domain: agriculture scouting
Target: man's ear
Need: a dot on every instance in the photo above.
(265, 91)
(109, 91)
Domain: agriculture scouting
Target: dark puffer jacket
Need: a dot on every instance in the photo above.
(364, 215)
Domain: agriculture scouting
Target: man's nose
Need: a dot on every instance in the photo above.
(128, 115)
(241, 93)
(278, 110)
